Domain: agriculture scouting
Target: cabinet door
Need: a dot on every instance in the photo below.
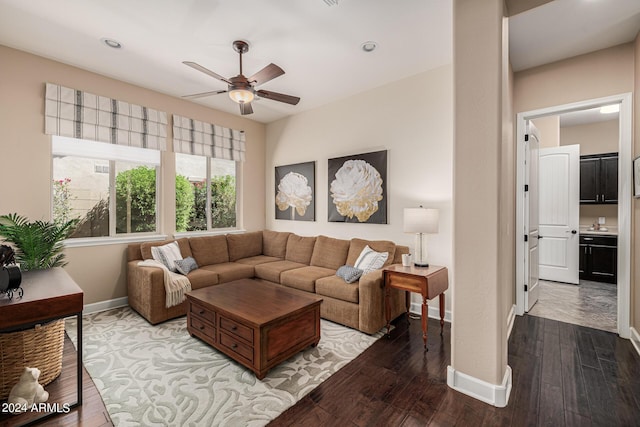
(589, 168)
(603, 263)
(609, 179)
(583, 260)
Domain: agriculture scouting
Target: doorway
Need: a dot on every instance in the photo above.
(622, 217)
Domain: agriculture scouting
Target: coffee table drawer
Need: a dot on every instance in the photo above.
(236, 346)
(205, 313)
(237, 329)
(203, 327)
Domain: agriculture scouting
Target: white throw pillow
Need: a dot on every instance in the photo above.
(370, 260)
(167, 254)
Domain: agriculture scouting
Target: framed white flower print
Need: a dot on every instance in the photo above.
(295, 192)
(358, 188)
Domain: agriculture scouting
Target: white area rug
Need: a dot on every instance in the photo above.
(160, 375)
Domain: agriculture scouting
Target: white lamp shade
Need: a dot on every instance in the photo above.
(421, 220)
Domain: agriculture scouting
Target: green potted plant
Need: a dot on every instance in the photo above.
(38, 244)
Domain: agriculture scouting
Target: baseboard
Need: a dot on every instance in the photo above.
(511, 318)
(635, 339)
(433, 312)
(105, 305)
(493, 394)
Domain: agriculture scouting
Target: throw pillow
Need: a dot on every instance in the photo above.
(184, 266)
(348, 273)
(370, 260)
(167, 254)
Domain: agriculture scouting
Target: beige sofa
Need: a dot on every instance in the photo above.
(305, 263)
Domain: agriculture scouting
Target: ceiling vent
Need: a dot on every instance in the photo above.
(331, 2)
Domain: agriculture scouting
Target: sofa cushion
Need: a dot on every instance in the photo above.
(230, 271)
(271, 271)
(201, 278)
(349, 274)
(257, 260)
(335, 287)
(209, 250)
(305, 278)
(357, 245)
(300, 249)
(274, 243)
(185, 266)
(183, 244)
(329, 252)
(370, 260)
(244, 245)
(167, 254)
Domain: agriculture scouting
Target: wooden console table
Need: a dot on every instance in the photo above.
(429, 282)
(48, 295)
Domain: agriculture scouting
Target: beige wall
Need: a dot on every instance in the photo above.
(25, 153)
(594, 75)
(594, 138)
(419, 142)
(481, 181)
(549, 128)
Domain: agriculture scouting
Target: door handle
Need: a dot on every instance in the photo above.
(597, 197)
(603, 198)
(573, 231)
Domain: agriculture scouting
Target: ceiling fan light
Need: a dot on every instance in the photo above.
(241, 96)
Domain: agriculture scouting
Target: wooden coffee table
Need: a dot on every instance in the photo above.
(256, 323)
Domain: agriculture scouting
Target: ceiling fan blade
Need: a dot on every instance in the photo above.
(246, 108)
(275, 96)
(206, 71)
(269, 72)
(203, 94)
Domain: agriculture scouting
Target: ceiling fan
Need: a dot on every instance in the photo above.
(242, 89)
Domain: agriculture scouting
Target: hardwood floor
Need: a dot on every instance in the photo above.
(92, 413)
(563, 375)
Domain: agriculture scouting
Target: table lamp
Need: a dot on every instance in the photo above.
(421, 221)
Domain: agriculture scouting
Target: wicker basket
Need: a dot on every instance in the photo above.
(38, 347)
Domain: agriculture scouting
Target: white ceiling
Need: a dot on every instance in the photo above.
(583, 117)
(317, 45)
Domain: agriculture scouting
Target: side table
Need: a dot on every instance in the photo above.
(429, 282)
(48, 295)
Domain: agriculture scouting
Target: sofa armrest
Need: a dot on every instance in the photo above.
(147, 295)
(371, 301)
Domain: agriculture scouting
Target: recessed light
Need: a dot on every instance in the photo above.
(609, 109)
(112, 43)
(369, 46)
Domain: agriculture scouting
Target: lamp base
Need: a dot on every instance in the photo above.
(420, 265)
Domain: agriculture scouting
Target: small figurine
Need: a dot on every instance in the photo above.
(10, 275)
(27, 392)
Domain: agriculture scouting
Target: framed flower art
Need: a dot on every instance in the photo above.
(295, 192)
(358, 188)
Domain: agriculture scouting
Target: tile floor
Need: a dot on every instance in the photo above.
(590, 304)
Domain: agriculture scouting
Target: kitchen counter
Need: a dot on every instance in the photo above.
(611, 231)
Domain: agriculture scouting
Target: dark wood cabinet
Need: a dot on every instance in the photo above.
(599, 179)
(598, 258)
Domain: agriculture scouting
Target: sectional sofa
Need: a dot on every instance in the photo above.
(307, 264)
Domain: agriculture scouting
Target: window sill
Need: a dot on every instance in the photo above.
(100, 241)
(208, 233)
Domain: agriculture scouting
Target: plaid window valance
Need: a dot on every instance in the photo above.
(205, 139)
(77, 114)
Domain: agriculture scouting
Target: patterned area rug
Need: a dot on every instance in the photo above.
(160, 375)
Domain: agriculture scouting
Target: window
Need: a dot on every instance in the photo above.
(110, 188)
(205, 193)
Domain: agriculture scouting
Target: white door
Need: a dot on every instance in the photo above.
(559, 213)
(531, 210)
